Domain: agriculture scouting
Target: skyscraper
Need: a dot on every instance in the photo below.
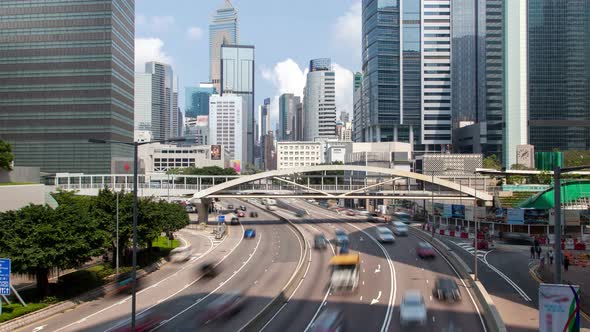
(319, 101)
(196, 99)
(358, 80)
(226, 126)
(515, 79)
(143, 107)
(164, 100)
(287, 116)
(237, 77)
(67, 76)
(559, 74)
(222, 30)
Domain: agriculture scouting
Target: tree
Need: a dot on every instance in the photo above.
(39, 240)
(209, 170)
(6, 156)
(492, 162)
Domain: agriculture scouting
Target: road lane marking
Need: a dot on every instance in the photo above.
(373, 301)
(39, 328)
(361, 298)
(378, 269)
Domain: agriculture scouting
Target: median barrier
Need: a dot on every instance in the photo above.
(490, 313)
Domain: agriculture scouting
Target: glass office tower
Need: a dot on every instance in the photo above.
(197, 100)
(67, 76)
(559, 74)
(222, 30)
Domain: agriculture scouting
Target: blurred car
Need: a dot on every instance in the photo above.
(299, 214)
(243, 207)
(190, 208)
(341, 237)
(249, 233)
(144, 322)
(254, 214)
(400, 229)
(181, 254)
(412, 309)
(209, 270)
(384, 235)
(446, 289)
(328, 320)
(230, 207)
(320, 241)
(224, 306)
(350, 213)
(425, 250)
(234, 221)
(125, 283)
(241, 214)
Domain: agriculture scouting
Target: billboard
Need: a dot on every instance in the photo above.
(438, 209)
(236, 165)
(470, 212)
(571, 217)
(559, 308)
(447, 211)
(458, 211)
(515, 216)
(216, 152)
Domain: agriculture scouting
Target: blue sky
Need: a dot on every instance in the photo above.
(286, 34)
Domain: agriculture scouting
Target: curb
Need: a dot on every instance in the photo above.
(268, 312)
(490, 313)
(70, 304)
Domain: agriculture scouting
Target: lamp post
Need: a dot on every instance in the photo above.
(134, 256)
(117, 232)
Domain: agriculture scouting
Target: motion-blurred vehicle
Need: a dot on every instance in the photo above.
(345, 271)
(271, 207)
(230, 207)
(125, 283)
(350, 213)
(363, 213)
(241, 214)
(328, 320)
(412, 309)
(144, 322)
(249, 233)
(425, 250)
(320, 241)
(180, 254)
(446, 289)
(341, 237)
(224, 306)
(243, 207)
(209, 270)
(400, 229)
(254, 214)
(190, 209)
(234, 221)
(403, 217)
(482, 244)
(384, 235)
(299, 214)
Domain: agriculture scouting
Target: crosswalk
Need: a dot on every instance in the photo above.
(469, 248)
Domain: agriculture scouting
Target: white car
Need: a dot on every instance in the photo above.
(413, 309)
(384, 235)
(400, 229)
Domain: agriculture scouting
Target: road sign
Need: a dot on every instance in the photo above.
(559, 308)
(4, 276)
(220, 219)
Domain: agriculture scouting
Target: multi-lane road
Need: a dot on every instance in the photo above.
(177, 295)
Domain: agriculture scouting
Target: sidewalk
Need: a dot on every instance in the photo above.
(576, 275)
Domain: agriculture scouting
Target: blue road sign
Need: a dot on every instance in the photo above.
(4, 276)
(220, 219)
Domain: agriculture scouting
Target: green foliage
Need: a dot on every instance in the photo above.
(6, 156)
(164, 243)
(10, 311)
(209, 170)
(492, 162)
(78, 282)
(576, 158)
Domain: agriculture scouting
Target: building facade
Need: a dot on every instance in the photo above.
(164, 100)
(237, 78)
(223, 29)
(142, 107)
(67, 80)
(288, 104)
(196, 130)
(227, 127)
(196, 99)
(319, 101)
(160, 158)
(299, 154)
(270, 153)
(559, 74)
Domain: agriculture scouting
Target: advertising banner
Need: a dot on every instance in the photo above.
(458, 211)
(515, 216)
(439, 209)
(570, 217)
(447, 210)
(559, 308)
(236, 165)
(216, 152)
(470, 212)
(536, 216)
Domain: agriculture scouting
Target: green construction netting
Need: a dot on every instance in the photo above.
(570, 191)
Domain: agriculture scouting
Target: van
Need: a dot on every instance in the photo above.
(400, 229)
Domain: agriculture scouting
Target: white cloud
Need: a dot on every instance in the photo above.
(344, 86)
(194, 33)
(347, 30)
(155, 23)
(149, 49)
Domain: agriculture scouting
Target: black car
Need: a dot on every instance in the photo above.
(446, 289)
(234, 221)
(254, 214)
(209, 270)
(242, 207)
(230, 207)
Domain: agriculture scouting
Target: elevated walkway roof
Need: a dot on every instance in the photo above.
(570, 192)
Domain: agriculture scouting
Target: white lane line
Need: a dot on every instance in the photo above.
(378, 269)
(210, 293)
(373, 301)
(503, 276)
(137, 293)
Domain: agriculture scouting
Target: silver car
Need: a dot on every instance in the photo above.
(384, 235)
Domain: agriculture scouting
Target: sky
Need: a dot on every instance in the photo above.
(286, 35)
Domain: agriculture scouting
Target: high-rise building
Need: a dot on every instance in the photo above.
(196, 130)
(223, 29)
(515, 79)
(197, 99)
(406, 84)
(143, 107)
(299, 122)
(270, 154)
(358, 80)
(559, 74)
(67, 76)
(227, 126)
(164, 100)
(288, 104)
(344, 117)
(319, 101)
(237, 77)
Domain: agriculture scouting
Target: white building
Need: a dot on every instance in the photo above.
(299, 154)
(142, 107)
(196, 130)
(227, 126)
(319, 101)
(159, 158)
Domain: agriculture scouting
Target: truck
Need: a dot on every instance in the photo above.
(345, 272)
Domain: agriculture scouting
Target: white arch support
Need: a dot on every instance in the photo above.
(353, 168)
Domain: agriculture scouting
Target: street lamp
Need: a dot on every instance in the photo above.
(135, 164)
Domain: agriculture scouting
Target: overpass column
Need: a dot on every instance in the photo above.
(203, 210)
